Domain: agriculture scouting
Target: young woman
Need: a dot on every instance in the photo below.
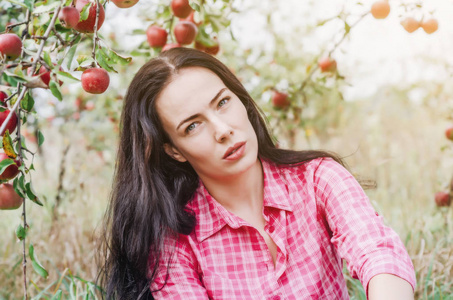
(204, 206)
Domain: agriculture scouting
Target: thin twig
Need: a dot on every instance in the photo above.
(95, 35)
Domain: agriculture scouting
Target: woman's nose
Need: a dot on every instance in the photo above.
(222, 130)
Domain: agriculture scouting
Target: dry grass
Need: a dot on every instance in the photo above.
(391, 141)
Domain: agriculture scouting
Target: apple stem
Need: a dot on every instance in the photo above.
(172, 38)
(95, 35)
(24, 214)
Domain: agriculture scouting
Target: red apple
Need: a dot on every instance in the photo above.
(95, 80)
(280, 100)
(213, 50)
(157, 36)
(327, 64)
(170, 46)
(10, 46)
(200, 46)
(185, 32)
(87, 26)
(442, 199)
(3, 97)
(11, 126)
(181, 8)
(9, 199)
(69, 16)
(45, 75)
(124, 3)
(12, 170)
(449, 133)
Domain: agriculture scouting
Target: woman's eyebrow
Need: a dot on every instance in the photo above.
(196, 115)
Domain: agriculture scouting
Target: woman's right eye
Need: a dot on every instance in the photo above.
(190, 127)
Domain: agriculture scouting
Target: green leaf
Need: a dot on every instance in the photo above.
(195, 6)
(17, 3)
(31, 194)
(85, 12)
(68, 75)
(70, 56)
(139, 32)
(17, 187)
(102, 60)
(32, 167)
(21, 233)
(28, 102)
(46, 8)
(40, 138)
(347, 28)
(118, 58)
(55, 89)
(35, 262)
(84, 58)
(47, 59)
(5, 164)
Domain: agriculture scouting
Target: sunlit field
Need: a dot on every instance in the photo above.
(386, 139)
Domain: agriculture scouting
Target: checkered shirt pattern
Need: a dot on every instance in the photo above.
(316, 213)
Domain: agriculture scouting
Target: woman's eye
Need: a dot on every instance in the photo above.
(190, 127)
(224, 101)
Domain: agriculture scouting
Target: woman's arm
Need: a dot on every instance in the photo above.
(389, 287)
(358, 232)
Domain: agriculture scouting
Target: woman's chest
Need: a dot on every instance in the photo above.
(239, 262)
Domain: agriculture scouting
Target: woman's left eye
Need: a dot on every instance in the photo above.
(223, 101)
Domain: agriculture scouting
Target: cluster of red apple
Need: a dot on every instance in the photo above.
(94, 80)
(185, 31)
(280, 99)
(381, 9)
(445, 198)
(9, 199)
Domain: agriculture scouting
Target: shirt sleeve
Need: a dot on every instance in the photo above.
(358, 232)
(181, 277)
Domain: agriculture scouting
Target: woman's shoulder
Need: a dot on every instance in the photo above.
(310, 169)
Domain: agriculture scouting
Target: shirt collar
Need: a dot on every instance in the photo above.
(211, 216)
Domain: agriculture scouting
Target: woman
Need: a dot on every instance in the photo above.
(204, 206)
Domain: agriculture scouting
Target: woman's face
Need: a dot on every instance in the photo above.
(207, 125)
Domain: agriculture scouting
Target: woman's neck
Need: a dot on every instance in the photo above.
(240, 193)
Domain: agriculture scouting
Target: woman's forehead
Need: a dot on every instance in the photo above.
(190, 89)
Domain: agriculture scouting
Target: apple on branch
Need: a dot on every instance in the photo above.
(442, 199)
(124, 3)
(380, 9)
(69, 16)
(12, 170)
(327, 64)
(95, 80)
(9, 199)
(181, 8)
(185, 32)
(87, 26)
(280, 100)
(156, 36)
(12, 123)
(449, 133)
(10, 46)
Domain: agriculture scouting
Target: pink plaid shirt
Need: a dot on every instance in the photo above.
(316, 213)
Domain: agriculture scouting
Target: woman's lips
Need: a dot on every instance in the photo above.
(235, 152)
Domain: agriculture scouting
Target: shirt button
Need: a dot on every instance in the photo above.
(271, 228)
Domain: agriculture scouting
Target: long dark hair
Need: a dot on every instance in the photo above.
(150, 189)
